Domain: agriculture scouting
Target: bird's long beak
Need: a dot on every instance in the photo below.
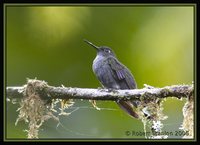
(88, 42)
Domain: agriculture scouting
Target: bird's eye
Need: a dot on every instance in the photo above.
(107, 51)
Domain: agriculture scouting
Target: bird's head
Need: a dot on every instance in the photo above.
(102, 50)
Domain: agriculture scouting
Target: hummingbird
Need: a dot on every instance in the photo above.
(112, 74)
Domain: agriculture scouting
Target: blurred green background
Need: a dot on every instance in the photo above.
(46, 42)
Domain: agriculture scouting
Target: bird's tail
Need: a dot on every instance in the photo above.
(128, 107)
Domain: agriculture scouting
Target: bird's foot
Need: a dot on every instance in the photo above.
(112, 90)
(100, 89)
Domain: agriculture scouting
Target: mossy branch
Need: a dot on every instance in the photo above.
(35, 92)
(45, 91)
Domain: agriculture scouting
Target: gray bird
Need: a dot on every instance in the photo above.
(113, 75)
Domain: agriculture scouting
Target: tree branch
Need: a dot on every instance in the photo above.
(49, 92)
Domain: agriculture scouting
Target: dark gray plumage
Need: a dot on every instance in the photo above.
(113, 74)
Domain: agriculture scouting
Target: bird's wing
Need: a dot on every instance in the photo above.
(122, 73)
(126, 81)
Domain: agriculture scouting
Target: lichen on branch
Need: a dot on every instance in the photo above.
(35, 111)
(49, 92)
(38, 101)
